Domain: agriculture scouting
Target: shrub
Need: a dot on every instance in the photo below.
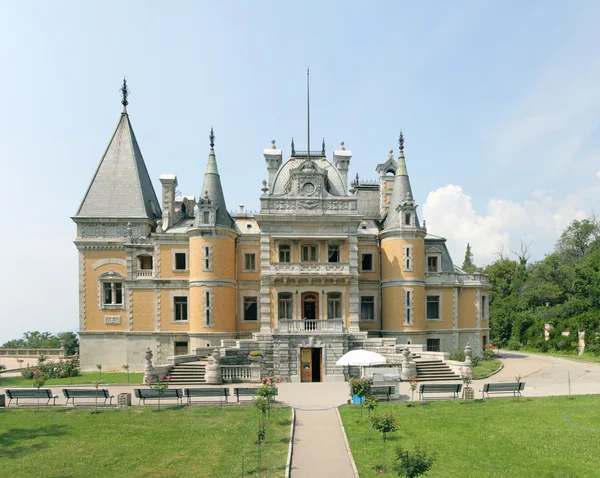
(513, 344)
(457, 355)
(360, 387)
(63, 369)
(255, 353)
(385, 423)
(413, 464)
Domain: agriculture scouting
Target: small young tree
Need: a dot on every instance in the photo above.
(385, 423)
(20, 363)
(99, 367)
(370, 403)
(159, 385)
(361, 388)
(268, 390)
(39, 379)
(126, 368)
(413, 464)
(97, 384)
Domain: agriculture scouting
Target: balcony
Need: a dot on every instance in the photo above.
(311, 268)
(145, 274)
(436, 278)
(287, 326)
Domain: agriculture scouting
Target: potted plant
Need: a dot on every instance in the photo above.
(255, 356)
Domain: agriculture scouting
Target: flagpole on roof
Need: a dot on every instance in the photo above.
(308, 108)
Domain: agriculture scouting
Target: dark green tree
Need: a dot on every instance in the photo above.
(468, 265)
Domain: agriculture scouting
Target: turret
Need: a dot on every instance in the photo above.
(273, 158)
(341, 160)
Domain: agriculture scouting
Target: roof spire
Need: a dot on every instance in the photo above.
(124, 94)
(401, 142)
(401, 170)
(212, 138)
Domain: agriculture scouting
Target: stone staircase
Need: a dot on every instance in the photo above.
(189, 373)
(434, 370)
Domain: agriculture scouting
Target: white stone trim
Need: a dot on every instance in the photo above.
(111, 277)
(187, 260)
(179, 293)
(207, 254)
(409, 305)
(484, 316)
(129, 309)
(375, 295)
(82, 290)
(157, 309)
(478, 309)
(407, 255)
(103, 262)
(207, 310)
(439, 295)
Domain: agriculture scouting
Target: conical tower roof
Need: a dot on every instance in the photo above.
(121, 187)
(212, 186)
(400, 192)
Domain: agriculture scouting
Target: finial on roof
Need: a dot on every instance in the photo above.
(401, 142)
(391, 154)
(212, 138)
(357, 178)
(293, 148)
(273, 144)
(342, 147)
(124, 94)
(323, 147)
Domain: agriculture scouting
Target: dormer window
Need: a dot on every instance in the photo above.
(407, 219)
(205, 217)
(432, 264)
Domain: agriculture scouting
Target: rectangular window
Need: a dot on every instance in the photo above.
(180, 261)
(432, 264)
(285, 305)
(112, 293)
(334, 305)
(367, 308)
(483, 307)
(251, 309)
(433, 307)
(207, 310)
(181, 308)
(366, 263)
(407, 219)
(284, 253)
(207, 258)
(309, 253)
(408, 307)
(205, 217)
(250, 262)
(408, 258)
(433, 345)
(333, 254)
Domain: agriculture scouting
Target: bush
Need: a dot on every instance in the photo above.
(513, 344)
(255, 353)
(62, 369)
(360, 387)
(457, 355)
(413, 464)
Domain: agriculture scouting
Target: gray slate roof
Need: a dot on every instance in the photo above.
(121, 187)
(212, 184)
(401, 187)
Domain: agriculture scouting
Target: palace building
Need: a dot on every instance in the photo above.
(327, 265)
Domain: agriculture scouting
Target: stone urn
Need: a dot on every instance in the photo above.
(255, 356)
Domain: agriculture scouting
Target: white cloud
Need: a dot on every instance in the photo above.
(540, 220)
(598, 174)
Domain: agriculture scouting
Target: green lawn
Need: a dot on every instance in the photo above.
(177, 442)
(85, 378)
(486, 367)
(496, 437)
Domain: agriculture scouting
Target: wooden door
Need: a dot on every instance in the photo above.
(310, 306)
(306, 365)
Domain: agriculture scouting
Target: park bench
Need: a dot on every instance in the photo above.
(244, 392)
(207, 392)
(73, 393)
(382, 391)
(144, 394)
(34, 393)
(514, 387)
(453, 388)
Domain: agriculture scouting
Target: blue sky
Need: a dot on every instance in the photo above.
(499, 103)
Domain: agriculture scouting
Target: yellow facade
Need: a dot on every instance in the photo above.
(393, 256)
(143, 310)
(167, 266)
(467, 308)
(222, 311)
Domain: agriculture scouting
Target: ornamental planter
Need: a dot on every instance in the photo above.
(255, 358)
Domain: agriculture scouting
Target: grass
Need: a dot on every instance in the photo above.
(525, 437)
(177, 442)
(486, 367)
(108, 378)
(568, 355)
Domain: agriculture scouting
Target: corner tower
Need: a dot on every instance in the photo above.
(403, 257)
(212, 262)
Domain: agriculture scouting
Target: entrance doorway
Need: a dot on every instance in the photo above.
(310, 365)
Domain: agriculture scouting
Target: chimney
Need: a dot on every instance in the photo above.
(273, 158)
(169, 185)
(341, 160)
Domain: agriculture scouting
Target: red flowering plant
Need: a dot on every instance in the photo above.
(489, 351)
(466, 376)
(159, 384)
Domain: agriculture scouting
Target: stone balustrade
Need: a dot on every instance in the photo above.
(236, 372)
(308, 326)
(145, 274)
(311, 268)
(61, 353)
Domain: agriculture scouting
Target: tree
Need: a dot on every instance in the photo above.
(577, 238)
(45, 340)
(385, 423)
(413, 464)
(468, 265)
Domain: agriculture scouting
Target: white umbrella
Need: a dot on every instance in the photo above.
(361, 357)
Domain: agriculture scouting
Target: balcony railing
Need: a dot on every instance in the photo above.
(468, 279)
(307, 268)
(308, 325)
(473, 278)
(236, 372)
(145, 274)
